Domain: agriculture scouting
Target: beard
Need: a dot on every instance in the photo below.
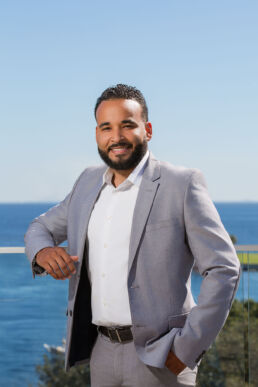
(122, 165)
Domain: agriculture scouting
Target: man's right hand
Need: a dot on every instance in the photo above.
(56, 262)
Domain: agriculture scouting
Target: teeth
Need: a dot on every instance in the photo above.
(119, 150)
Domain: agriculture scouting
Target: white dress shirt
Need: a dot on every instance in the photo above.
(109, 234)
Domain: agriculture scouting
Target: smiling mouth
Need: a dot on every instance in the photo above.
(120, 149)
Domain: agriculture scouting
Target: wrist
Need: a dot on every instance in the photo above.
(174, 364)
(37, 269)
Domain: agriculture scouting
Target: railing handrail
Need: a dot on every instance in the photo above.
(21, 249)
(245, 248)
(16, 250)
(12, 250)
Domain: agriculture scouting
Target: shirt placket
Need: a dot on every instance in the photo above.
(107, 235)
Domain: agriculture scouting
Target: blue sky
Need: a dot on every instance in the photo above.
(195, 61)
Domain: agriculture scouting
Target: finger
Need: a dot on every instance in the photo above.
(68, 260)
(74, 258)
(48, 261)
(53, 262)
(63, 266)
(50, 271)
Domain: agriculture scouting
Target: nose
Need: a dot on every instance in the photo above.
(117, 135)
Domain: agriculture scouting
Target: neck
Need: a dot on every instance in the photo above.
(119, 176)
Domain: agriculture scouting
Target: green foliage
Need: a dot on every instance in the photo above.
(210, 373)
(52, 373)
(233, 359)
(233, 239)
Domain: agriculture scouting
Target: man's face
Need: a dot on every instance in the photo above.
(121, 133)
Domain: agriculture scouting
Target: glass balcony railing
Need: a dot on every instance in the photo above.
(248, 287)
(33, 314)
(232, 361)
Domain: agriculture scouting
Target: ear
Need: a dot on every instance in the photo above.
(148, 130)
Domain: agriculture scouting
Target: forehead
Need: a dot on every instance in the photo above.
(118, 110)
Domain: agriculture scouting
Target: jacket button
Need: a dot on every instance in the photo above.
(200, 356)
(71, 312)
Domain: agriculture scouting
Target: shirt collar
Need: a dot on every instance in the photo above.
(134, 177)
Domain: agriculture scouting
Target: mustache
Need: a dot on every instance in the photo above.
(120, 144)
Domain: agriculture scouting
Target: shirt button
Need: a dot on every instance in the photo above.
(105, 245)
(103, 275)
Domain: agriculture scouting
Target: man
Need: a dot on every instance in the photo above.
(134, 232)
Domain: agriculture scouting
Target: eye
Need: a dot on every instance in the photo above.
(128, 126)
(106, 128)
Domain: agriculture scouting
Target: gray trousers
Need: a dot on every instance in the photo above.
(117, 365)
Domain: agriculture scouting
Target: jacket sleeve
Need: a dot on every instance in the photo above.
(47, 230)
(218, 264)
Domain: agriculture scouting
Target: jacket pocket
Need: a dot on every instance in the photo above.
(177, 321)
(158, 225)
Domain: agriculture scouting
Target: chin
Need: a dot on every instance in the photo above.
(119, 158)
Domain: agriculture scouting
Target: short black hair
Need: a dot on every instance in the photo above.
(125, 92)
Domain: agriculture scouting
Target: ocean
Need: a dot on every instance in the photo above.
(33, 310)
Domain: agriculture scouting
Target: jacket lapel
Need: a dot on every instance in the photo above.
(86, 210)
(146, 195)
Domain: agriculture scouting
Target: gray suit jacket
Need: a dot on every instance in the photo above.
(175, 225)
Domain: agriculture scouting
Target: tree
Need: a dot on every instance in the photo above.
(233, 359)
(233, 239)
(52, 373)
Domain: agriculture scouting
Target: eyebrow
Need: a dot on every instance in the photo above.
(123, 122)
(128, 122)
(104, 124)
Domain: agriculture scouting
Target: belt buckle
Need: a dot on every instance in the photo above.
(117, 334)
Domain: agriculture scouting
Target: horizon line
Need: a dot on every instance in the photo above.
(246, 201)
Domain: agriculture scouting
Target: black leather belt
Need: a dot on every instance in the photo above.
(117, 334)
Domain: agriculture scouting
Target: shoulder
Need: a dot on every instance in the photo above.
(184, 182)
(90, 175)
(93, 170)
(178, 173)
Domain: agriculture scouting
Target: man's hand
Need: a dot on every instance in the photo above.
(56, 262)
(174, 364)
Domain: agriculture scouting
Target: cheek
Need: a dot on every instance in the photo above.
(101, 140)
(136, 137)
